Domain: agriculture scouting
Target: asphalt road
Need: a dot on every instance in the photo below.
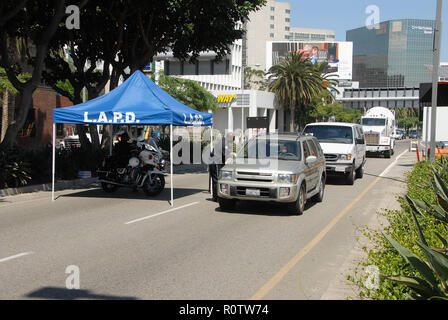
(127, 246)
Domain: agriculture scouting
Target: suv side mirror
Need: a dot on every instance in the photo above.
(310, 159)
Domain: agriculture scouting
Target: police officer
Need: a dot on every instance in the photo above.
(222, 151)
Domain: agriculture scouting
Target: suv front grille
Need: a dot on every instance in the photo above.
(329, 157)
(254, 176)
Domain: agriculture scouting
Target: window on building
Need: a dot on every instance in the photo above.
(205, 67)
(318, 36)
(272, 17)
(272, 8)
(287, 11)
(287, 19)
(271, 35)
(272, 26)
(286, 28)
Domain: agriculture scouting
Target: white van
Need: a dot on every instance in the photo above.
(344, 147)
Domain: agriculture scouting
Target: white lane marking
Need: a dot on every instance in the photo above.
(16, 256)
(382, 174)
(163, 212)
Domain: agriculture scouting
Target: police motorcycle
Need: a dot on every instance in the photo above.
(145, 169)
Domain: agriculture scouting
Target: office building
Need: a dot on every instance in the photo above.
(210, 74)
(396, 54)
(443, 71)
(366, 98)
(270, 23)
(309, 34)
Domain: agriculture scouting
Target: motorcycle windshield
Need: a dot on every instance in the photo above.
(153, 144)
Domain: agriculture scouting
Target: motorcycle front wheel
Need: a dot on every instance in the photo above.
(154, 188)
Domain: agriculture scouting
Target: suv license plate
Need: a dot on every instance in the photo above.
(253, 192)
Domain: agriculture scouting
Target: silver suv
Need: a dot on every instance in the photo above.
(283, 168)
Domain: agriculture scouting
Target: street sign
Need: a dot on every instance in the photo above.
(257, 122)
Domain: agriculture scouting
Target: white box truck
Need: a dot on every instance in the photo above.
(378, 124)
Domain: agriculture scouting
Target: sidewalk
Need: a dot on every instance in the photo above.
(59, 185)
(341, 288)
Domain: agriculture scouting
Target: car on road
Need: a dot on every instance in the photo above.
(414, 135)
(281, 168)
(398, 134)
(344, 147)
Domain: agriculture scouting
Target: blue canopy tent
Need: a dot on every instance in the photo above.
(137, 101)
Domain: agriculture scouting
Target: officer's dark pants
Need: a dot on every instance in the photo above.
(214, 170)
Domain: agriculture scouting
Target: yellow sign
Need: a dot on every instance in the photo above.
(226, 98)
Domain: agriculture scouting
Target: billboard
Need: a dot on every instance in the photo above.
(339, 55)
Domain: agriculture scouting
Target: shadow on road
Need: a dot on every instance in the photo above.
(337, 180)
(387, 178)
(67, 294)
(263, 208)
(127, 193)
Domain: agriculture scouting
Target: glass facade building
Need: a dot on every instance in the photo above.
(398, 53)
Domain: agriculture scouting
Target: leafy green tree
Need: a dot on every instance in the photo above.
(35, 23)
(296, 81)
(188, 92)
(409, 122)
(324, 108)
(123, 34)
(7, 90)
(255, 79)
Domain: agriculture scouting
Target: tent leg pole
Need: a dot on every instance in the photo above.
(53, 167)
(171, 163)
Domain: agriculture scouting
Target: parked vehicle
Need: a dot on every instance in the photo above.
(281, 168)
(403, 133)
(344, 147)
(414, 135)
(378, 125)
(145, 169)
(398, 134)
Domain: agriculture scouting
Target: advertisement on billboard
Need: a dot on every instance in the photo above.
(339, 55)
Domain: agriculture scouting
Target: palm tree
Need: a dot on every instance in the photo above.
(295, 81)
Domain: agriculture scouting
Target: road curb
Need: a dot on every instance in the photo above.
(59, 185)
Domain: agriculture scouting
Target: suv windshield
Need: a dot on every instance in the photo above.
(331, 134)
(373, 122)
(276, 149)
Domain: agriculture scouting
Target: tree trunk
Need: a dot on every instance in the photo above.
(292, 118)
(25, 103)
(5, 118)
(94, 137)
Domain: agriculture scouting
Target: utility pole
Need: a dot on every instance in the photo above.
(435, 78)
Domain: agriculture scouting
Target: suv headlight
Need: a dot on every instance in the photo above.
(287, 178)
(225, 175)
(345, 156)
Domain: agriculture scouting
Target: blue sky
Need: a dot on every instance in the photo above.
(344, 15)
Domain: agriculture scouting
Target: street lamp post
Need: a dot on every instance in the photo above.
(435, 78)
